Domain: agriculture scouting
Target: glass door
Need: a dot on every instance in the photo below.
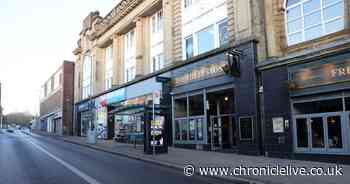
(216, 135)
(319, 133)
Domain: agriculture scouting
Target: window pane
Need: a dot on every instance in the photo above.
(189, 48)
(311, 6)
(334, 11)
(324, 106)
(313, 32)
(317, 132)
(205, 40)
(199, 128)
(334, 132)
(328, 2)
(292, 2)
(223, 33)
(295, 25)
(246, 128)
(196, 105)
(334, 26)
(312, 19)
(302, 137)
(181, 107)
(294, 13)
(295, 38)
(184, 130)
(177, 129)
(192, 131)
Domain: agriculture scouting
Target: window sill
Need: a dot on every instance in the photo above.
(317, 42)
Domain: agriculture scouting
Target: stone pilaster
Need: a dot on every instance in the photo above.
(167, 31)
(177, 30)
(139, 47)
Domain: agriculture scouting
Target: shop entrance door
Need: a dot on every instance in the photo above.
(221, 118)
(223, 130)
(324, 132)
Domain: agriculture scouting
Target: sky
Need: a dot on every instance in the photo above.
(35, 37)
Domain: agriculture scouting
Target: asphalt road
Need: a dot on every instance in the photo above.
(43, 160)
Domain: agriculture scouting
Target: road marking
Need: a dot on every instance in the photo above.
(86, 177)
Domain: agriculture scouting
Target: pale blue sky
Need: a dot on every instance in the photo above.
(35, 37)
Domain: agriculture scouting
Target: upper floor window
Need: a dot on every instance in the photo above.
(157, 22)
(130, 56)
(157, 62)
(87, 76)
(310, 19)
(109, 67)
(187, 3)
(207, 39)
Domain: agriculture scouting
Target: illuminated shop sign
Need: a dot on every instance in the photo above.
(116, 96)
(324, 74)
(200, 73)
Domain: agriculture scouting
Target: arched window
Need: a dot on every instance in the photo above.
(310, 19)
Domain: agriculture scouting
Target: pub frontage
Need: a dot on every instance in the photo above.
(215, 101)
(307, 106)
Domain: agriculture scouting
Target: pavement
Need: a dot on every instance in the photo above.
(179, 158)
(27, 158)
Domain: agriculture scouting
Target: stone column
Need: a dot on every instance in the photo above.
(167, 31)
(118, 59)
(139, 47)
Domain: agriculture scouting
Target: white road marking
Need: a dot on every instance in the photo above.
(81, 174)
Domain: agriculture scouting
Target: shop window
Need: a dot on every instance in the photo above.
(181, 107)
(246, 128)
(199, 128)
(184, 130)
(205, 40)
(310, 19)
(317, 132)
(333, 105)
(302, 133)
(196, 105)
(334, 132)
(177, 130)
(192, 129)
(347, 104)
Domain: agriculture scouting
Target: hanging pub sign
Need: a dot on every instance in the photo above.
(318, 75)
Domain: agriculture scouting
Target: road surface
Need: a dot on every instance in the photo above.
(44, 160)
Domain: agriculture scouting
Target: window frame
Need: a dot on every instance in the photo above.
(130, 55)
(109, 67)
(87, 76)
(322, 22)
(239, 126)
(187, 118)
(194, 36)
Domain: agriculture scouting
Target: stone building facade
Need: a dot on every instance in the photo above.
(144, 47)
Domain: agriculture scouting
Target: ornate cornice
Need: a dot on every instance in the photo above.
(114, 16)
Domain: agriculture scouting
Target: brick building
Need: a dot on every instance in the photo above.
(56, 101)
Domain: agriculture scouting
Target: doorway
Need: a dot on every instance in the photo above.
(221, 120)
(321, 125)
(322, 132)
